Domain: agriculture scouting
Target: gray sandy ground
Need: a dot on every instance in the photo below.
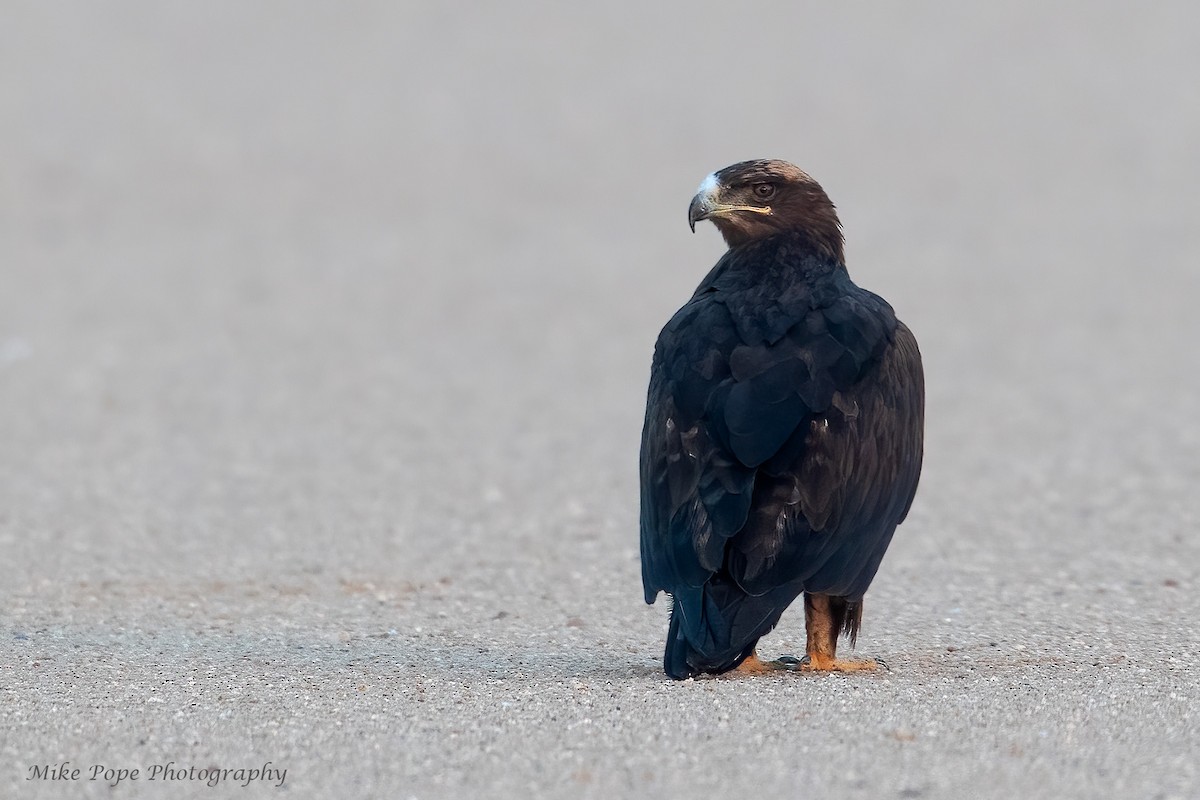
(324, 333)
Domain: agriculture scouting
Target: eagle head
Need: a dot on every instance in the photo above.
(755, 199)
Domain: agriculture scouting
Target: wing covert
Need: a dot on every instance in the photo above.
(825, 519)
(726, 417)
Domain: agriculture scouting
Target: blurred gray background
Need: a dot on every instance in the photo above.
(324, 332)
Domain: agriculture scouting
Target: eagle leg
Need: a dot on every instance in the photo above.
(825, 618)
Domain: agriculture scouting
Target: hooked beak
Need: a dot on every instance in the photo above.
(702, 206)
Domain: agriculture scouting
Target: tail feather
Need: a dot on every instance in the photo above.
(675, 661)
(716, 627)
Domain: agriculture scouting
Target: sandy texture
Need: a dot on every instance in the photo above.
(324, 334)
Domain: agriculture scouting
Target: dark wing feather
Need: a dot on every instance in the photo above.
(827, 520)
(694, 494)
(726, 402)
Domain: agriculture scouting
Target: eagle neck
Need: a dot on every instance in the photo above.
(770, 284)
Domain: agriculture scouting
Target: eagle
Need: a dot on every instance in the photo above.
(783, 436)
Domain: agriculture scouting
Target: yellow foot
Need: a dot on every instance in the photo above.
(756, 666)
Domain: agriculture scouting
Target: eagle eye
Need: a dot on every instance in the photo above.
(764, 191)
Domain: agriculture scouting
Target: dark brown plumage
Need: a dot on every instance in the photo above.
(783, 434)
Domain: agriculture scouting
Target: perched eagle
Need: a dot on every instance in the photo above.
(783, 433)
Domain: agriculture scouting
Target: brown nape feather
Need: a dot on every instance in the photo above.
(814, 213)
(799, 205)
